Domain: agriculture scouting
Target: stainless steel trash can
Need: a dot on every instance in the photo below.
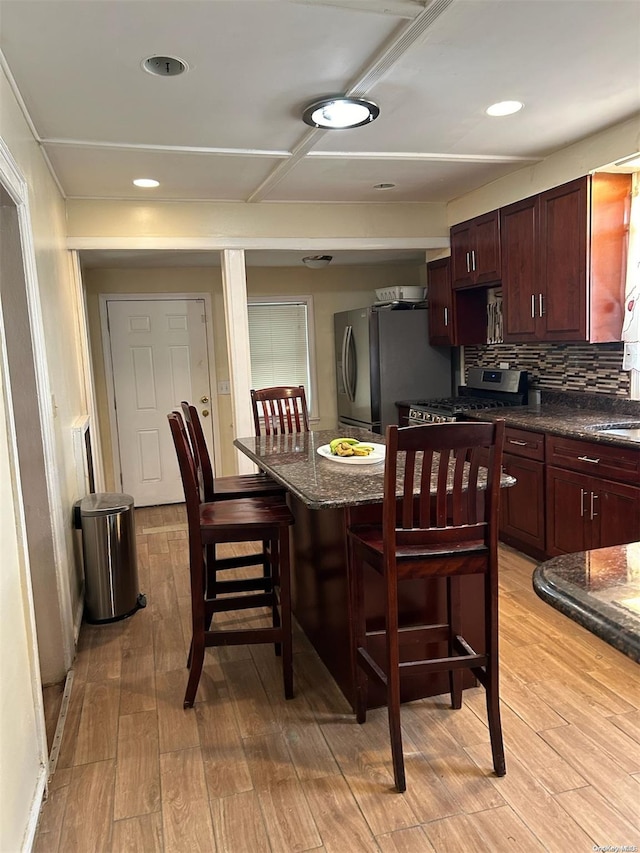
(110, 562)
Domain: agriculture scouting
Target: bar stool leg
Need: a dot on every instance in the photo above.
(492, 686)
(393, 684)
(284, 578)
(359, 628)
(453, 620)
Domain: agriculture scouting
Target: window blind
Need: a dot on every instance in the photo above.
(279, 342)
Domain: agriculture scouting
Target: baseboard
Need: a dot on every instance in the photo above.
(77, 621)
(34, 811)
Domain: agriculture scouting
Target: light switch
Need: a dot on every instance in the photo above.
(224, 387)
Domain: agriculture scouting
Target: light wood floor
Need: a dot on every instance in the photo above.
(245, 771)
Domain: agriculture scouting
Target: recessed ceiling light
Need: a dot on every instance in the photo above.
(383, 186)
(316, 262)
(504, 108)
(164, 66)
(146, 182)
(340, 113)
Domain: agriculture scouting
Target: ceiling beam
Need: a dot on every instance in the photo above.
(385, 59)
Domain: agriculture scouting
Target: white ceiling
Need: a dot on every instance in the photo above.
(230, 128)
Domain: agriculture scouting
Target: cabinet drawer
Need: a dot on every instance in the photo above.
(521, 442)
(600, 460)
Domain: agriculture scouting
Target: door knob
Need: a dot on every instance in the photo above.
(204, 399)
(205, 413)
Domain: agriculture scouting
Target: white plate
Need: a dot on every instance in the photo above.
(376, 455)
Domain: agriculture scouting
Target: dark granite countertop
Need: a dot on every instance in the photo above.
(322, 483)
(573, 415)
(600, 590)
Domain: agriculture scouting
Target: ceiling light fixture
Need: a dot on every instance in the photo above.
(148, 183)
(504, 108)
(317, 262)
(340, 113)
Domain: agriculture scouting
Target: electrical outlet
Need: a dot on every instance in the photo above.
(504, 365)
(224, 387)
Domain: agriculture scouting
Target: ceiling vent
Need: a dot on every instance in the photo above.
(164, 66)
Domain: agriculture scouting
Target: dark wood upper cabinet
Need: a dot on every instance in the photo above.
(519, 241)
(475, 251)
(456, 317)
(441, 319)
(564, 261)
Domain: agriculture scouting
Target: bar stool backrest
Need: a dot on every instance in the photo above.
(280, 409)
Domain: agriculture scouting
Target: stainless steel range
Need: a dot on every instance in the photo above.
(485, 389)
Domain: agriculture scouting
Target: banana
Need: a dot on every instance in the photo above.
(343, 449)
(362, 449)
(336, 441)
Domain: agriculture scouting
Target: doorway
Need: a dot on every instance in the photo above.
(157, 353)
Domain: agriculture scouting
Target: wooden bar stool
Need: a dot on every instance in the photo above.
(280, 409)
(451, 533)
(243, 520)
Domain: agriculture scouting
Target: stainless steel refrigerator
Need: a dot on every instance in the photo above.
(383, 356)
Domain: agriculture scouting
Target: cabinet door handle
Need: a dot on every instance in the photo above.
(473, 260)
(582, 495)
(533, 306)
(588, 459)
(468, 263)
(593, 513)
(519, 443)
(446, 316)
(540, 305)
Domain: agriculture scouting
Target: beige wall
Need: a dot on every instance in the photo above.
(208, 220)
(558, 168)
(333, 289)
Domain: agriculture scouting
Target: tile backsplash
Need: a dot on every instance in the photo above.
(596, 368)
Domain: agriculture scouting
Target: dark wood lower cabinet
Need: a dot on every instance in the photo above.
(586, 512)
(403, 416)
(522, 518)
(522, 506)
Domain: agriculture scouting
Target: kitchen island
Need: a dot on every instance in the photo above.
(599, 590)
(326, 497)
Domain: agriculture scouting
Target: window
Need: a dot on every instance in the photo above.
(282, 344)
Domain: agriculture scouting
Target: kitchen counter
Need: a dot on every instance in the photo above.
(322, 483)
(571, 415)
(600, 590)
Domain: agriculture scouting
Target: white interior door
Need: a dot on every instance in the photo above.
(159, 357)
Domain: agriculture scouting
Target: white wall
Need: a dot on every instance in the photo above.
(21, 767)
(23, 753)
(60, 352)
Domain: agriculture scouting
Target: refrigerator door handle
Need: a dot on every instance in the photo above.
(347, 346)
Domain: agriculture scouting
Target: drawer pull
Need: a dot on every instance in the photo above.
(588, 459)
(519, 443)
